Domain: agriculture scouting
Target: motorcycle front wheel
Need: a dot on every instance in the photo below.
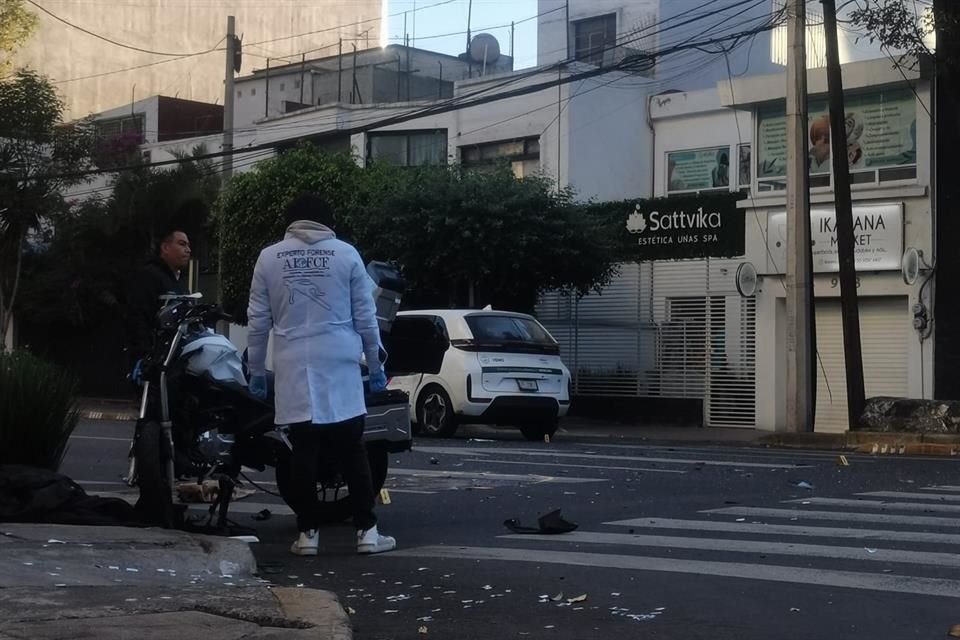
(332, 495)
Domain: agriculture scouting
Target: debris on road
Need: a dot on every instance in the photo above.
(384, 497)
(434, 461)
(260, 516)
(423, 630)
(794, 610)
(803, 485)
(551, 523)
(843, 462)
(580, 598)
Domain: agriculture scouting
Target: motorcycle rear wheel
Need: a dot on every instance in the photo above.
(334, 500)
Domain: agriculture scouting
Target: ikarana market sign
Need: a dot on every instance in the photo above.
(681, 227)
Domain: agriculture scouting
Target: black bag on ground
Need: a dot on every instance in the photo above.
(31, 494)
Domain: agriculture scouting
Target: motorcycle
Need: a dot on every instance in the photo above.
(198, 419)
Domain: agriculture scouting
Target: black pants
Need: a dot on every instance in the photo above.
(345, 441)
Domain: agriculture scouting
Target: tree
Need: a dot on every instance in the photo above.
(460, 237)
(894, 24)
(900, 25)
(16, 25)
(38, 153)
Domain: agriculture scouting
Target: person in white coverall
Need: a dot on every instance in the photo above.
(313, 292)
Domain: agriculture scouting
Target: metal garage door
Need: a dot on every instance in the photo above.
(884, 330)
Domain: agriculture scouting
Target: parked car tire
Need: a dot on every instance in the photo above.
(435, 417)
(536, 432)
(332, 494)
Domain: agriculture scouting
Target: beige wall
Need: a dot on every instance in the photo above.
(64, 53)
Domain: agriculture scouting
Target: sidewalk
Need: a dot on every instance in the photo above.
(879, 443)
(61, 582)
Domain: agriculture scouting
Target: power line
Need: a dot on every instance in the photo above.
(470, 100)
(352, 24)
(120, 44)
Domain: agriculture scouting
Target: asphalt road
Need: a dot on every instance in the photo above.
(673, 542)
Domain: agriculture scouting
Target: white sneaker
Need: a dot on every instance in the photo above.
(306, 544)
(370, 541)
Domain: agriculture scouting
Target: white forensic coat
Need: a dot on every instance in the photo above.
(313, 291)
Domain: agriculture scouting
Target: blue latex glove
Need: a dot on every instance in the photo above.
(378, 381)
(136, 376)
(258, 387)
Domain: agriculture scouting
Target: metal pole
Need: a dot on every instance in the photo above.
(303, 64)
(853, 357)
(440, 81)
(353, 88)
(799, 285)
(559, 118)
(513, 27)
(266, 98)
(228, 97)
(340, 72)
(566, 25)
(407, 76)
(399, 74)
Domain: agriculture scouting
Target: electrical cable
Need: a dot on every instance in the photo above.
(473, 99)
(120, 44)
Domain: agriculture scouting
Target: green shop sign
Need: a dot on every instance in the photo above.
(881, 132)
(678, 227)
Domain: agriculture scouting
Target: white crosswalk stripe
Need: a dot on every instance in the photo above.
(741, 543)
(881, 504)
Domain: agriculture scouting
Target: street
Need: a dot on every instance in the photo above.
(673, 542)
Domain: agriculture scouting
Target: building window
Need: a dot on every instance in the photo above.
(253, 91)
(296, 84)
(881, 141)
(595, 38)
(408, 148)
(698, 170)
(129, 128)
(523, 156)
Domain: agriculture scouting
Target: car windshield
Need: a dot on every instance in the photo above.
(494, 330)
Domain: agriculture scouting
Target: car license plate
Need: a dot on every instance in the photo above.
(527, 385)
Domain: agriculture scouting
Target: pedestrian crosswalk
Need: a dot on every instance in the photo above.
(860, 541)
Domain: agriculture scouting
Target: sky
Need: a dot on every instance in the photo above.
(451, 18)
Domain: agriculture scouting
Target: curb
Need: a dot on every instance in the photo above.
(108, 416)
(872, 442)
(316, 607)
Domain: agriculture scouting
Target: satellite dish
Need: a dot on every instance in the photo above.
(910, 265)
(746, 279)
(484, 48)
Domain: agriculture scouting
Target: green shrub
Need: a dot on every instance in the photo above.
(38, 410)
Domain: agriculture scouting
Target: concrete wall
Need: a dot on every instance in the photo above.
(552, 28)
(63, 53)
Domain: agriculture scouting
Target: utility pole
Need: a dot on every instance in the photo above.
(303, 65)
(801, 343)
(231, 68)
(266, 98)
(853, 357)
(340, 72)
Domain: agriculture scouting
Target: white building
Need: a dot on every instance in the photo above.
(670, 329)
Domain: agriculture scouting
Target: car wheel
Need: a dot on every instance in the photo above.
(435, 413)
(536, 432)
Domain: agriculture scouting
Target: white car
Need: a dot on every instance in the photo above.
(501, 368)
